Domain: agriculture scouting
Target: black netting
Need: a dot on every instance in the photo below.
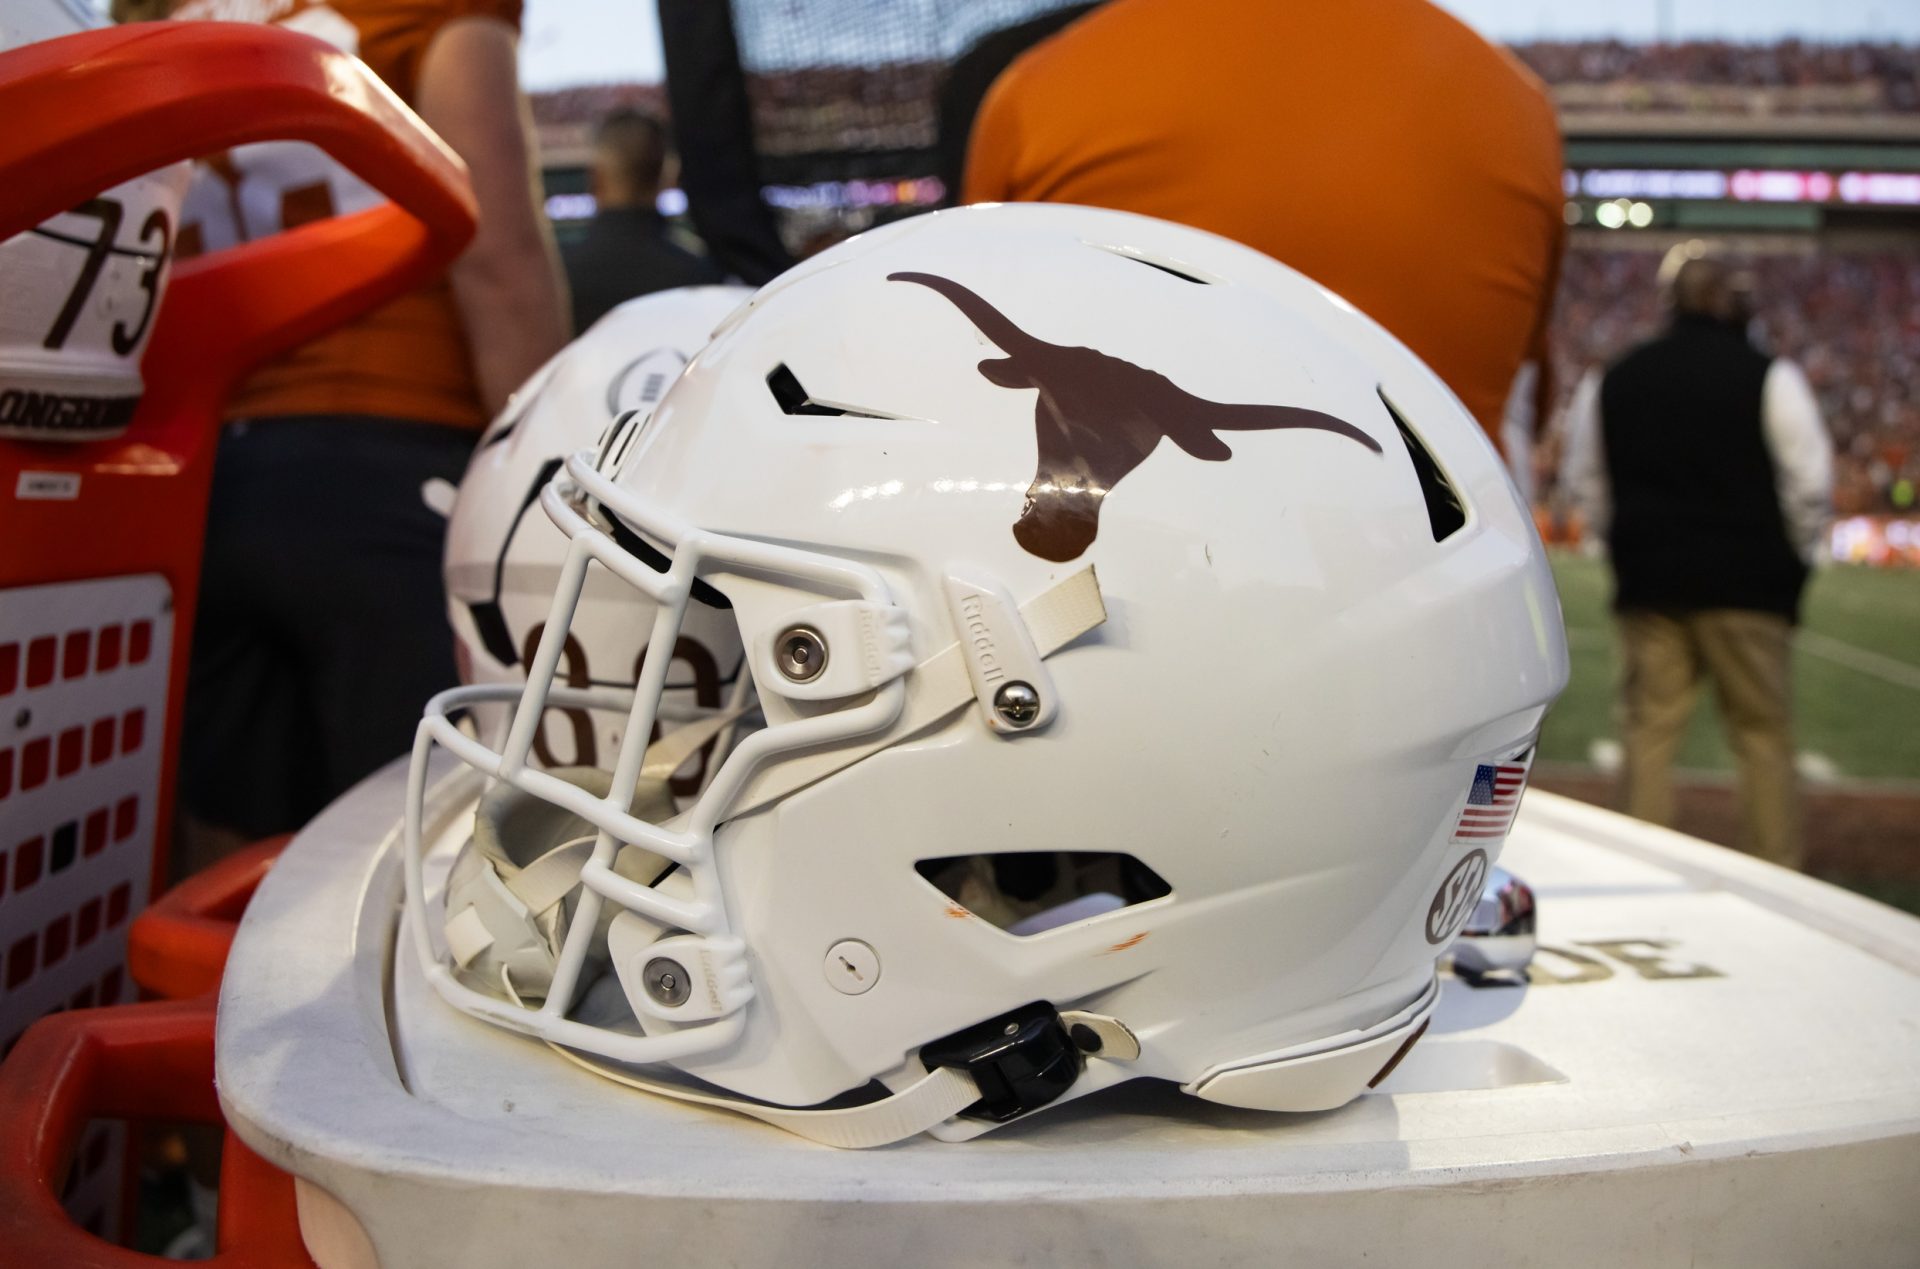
(831, 76)
(844, 97)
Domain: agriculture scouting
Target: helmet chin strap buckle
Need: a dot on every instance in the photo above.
(1097, 1035)
(1020, 1060)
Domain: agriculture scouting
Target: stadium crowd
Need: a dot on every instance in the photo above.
(590, 103)
(1868, 77)
(1792, 75)
(1852, 321)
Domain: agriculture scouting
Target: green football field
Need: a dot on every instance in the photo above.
(1856, 676)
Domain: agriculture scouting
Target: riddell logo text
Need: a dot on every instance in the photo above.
(980, 639)
(870, 646)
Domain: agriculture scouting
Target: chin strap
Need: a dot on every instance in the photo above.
(938, 1096)
(668, 754)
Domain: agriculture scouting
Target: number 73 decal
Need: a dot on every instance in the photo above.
(155, 242)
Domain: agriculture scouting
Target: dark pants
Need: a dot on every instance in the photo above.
(322, 626)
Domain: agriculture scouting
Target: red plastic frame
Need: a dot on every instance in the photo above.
(82, 114)
(152, 1061)
(178, 947)
(88, 111)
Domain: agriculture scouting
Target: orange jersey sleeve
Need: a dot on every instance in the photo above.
(992, 147)
(1380, 147)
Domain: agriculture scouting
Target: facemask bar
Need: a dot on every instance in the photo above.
(687, 840)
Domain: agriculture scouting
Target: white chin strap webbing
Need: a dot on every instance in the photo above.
(940, 1095)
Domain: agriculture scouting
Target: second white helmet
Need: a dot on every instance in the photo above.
(79, 293)
(504, 556)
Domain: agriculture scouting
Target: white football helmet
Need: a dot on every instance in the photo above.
(81, 290)
(504, 556)
(1013, 830)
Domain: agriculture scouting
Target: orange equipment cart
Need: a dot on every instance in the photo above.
(99, 560)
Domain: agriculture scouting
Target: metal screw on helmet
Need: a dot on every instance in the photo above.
(1018, 703)
(800, 653)
(666, 981)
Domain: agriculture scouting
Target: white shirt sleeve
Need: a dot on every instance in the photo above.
(1583, 466)
(1516, 428)
(1802, 456)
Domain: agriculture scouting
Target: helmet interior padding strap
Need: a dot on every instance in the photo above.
(488, 908)
(507, 913)
(671, 752)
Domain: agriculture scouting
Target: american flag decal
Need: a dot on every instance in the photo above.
(1492, 799)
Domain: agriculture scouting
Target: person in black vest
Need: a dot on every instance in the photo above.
(1704, 465)
(626, 251)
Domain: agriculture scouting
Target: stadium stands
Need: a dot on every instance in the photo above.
(1850, 315)
(1788, 78)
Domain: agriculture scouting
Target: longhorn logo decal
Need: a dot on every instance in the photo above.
(1098, 417)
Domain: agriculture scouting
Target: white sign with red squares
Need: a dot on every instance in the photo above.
(83, 694)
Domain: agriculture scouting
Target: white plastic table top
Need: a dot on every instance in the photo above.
(1718, 1063)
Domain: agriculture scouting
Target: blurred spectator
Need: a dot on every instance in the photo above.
(1851, 319)
(1704, 464)
(1378, 146)
(322, 627)
(625, 250)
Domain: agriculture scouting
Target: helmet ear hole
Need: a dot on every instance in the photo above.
(1030, 892)
(1026, 876)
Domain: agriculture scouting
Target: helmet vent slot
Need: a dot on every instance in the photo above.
(656, 559)
(1165, 266)
(1031, 892)
(1446, 513)
(792, 398)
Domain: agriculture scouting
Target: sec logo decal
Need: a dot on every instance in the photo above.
(1455, 899)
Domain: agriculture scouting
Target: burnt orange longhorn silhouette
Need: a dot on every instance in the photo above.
(1098, 417)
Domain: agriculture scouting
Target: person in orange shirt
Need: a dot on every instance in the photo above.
(1378, 146)
(322, 623)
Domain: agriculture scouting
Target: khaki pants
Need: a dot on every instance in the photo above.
(1747, 655)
